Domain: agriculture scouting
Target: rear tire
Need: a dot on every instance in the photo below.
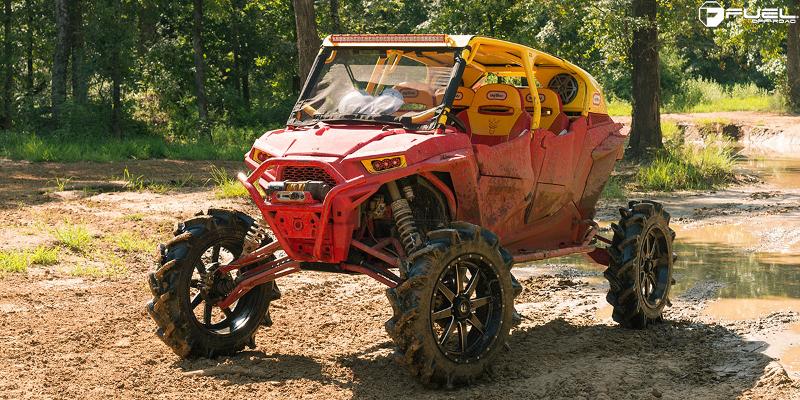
(182, 264)
(640, 268)
(451, 335)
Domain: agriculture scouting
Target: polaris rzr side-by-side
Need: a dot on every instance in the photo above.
(433, 164)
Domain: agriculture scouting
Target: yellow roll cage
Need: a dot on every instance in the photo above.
(484, 56)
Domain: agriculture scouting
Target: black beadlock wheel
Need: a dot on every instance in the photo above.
(640, 269)
(453, 313)
(186, 289)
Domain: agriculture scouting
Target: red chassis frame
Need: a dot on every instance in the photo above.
(337, 206)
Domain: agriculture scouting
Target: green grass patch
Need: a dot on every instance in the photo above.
(614, 189)
(44, 256)
(74, 237)
(227, 186)
(703, 96)
(685, 167)
(229, 144)
(617, 107)
(132, 243)
(19, 261)
(133, 217)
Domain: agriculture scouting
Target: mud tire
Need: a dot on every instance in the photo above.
(632, 307)
(169, 282)
(410, 327)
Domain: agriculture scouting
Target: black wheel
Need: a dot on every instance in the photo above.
(186, 288)
(453, 313)
(640, 271)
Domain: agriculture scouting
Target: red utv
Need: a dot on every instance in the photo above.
(433, 164)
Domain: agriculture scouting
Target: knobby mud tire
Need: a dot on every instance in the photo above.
(169, 282)
(410, 327)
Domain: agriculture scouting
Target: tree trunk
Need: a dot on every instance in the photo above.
(29, 49)
(79, 84)
(60, 55)
(236, 44)
(307, 38)
(336, 23)
(200, 69)
(116, 101)
(793, 60)
(645, 122)
(246, 83)
(8, 69)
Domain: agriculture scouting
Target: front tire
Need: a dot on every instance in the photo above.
(453, 313)
(640, 268)
(185, 289)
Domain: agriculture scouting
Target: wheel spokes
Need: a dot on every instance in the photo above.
(462, 334)
(480, 302)
(198, 298)
(447, 331)
(461, 278)
(476, 323)
(207, 313)
(215, 253)
(448, 294)
(473, 284)
(442, 314)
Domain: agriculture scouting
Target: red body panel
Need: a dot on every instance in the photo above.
(536, 192)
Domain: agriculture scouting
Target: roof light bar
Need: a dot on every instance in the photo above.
(402, 38)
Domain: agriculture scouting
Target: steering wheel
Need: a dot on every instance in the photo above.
(566, 86)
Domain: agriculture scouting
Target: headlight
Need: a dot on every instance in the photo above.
(383, 164)
(259, 156)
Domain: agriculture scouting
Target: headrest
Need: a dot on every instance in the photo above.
(497, 99)
(463, 98)
(527, 99)
(416, 93)
(549, 97)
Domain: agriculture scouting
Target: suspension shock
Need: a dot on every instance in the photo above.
(256, 236)
(404, 219)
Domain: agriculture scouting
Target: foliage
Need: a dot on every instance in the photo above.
(19, 261)
(688, 167)
(130, 242)
(74, 237)
(250, 56)
(227, 187)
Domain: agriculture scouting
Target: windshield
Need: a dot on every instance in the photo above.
(382, 85)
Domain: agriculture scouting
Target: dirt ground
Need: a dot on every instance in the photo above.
(68, 333)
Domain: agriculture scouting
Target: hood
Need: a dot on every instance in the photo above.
(326, 141)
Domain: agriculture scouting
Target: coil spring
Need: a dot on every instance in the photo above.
(404, 218)
(255, 236)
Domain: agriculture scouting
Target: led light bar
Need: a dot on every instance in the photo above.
(390, 38)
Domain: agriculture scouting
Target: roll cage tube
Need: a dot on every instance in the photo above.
(452, 88)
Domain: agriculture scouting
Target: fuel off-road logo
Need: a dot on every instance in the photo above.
(712, 14)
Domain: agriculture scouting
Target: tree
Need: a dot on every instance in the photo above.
(200, 68)
(646, 118)
(8, 67)
(60, 55)
(29, 47)
(793, 60)
(77, 47)
(307, 38)
(336, 23)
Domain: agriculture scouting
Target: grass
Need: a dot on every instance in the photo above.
(227, 187)
(703, 96)
(614, 189)
(133, 217)
(686, 167)
(228, 144)
(131, 243)
(19, 261)
(74, 237)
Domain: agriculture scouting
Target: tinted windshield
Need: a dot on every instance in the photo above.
(376, 84)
